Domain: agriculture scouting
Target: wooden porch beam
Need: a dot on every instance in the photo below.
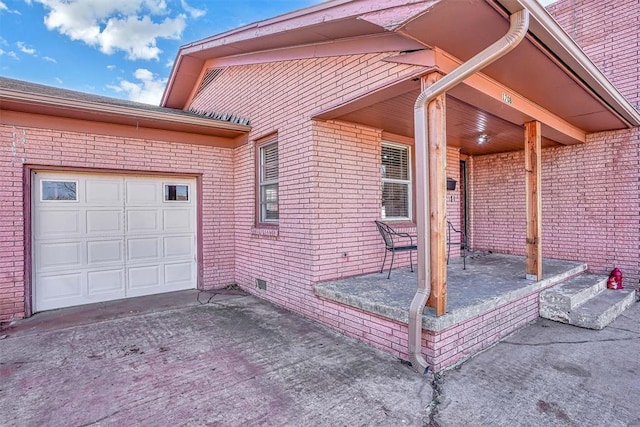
(557, 128)
(437, 160)
(533, 183)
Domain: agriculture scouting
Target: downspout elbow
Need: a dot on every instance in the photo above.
(519, 25)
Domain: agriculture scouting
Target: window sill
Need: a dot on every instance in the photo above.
(401, 225)
(268, 231)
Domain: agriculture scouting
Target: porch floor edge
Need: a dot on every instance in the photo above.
(477, 290)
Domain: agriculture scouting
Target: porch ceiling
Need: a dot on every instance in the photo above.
(465, 123)
(529, 70)
(540, 84)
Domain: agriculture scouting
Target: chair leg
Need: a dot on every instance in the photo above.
(384, 261)
(393, 255)
(411, 260)
(464, 257)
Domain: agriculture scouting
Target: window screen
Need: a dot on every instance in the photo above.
(396, 181)
(269, 183)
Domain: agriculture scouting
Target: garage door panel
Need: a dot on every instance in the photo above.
(179, 246)
(107, 192)
(143, 248)
(59, 286)
(104, 221)
(144, 277)
(53, 223)
(142, 221)
(177, 220)
(106, 281)
(59, 255)
(102, 251)
(178, 273)
(143, 192)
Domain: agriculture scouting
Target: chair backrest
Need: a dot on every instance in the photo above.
(385, 232)
(460, 233)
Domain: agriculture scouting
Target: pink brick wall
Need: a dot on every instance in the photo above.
(441, 349)
(457, 343)
(590, 203)
(85, 150)
(591, 192)
(329, 172)
(346, 194)
(608, 33)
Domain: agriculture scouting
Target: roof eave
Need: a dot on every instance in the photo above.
(551, 35)
(17, 100)
(316, 14)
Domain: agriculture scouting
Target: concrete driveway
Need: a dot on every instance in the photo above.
(548, 374)
(168, 360)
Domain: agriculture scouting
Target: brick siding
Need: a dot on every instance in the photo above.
(591, 192)
(607, 31)
(43, 147)
(590, 203)
(329, 178)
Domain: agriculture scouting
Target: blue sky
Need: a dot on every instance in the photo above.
(117, 48)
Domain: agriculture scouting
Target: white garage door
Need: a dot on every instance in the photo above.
(104, 237)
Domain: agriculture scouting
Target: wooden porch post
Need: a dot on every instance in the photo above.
(533, 183)
(437, 158)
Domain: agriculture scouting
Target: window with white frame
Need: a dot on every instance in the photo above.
(268, 182)
(396, 181)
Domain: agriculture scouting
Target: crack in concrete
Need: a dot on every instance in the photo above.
(526, 344)
(630, 318)
(437, 384)
(623, 329)
(99, 420)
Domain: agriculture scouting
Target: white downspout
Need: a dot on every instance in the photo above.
(519, 24)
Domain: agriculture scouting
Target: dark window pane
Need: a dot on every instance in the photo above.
(395, 200)
(176, 193)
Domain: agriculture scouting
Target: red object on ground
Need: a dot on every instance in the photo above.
(615, 279)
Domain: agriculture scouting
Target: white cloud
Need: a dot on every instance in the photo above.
(148, 90)
(170, 63)
(192, 11)
(111, 67)
(10, 54)
(59, 80)
(115, 25)
(4, 8)
(137, 36)
(24, 49)
(50, 59)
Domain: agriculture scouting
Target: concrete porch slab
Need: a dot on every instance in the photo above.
(489, 281)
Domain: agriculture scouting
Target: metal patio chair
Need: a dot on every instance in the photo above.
(395, 242)
(462, 241)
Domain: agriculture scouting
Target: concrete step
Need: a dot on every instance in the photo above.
(584, 301)
(574, 291)
(602, 309)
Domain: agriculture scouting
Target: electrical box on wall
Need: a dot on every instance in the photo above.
(261, 284)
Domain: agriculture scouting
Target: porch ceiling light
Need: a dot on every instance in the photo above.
(483, 139)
